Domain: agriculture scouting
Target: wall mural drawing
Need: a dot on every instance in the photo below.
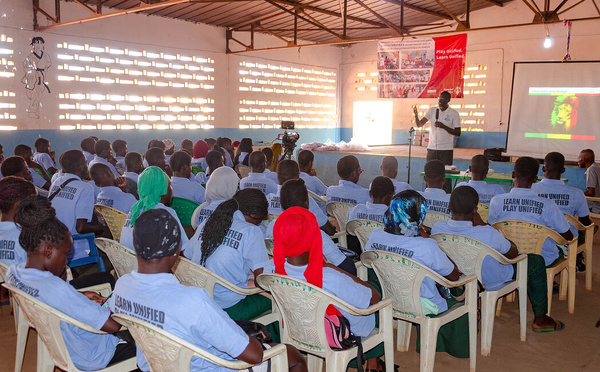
(35, 65)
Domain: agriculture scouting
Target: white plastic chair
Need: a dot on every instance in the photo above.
(318, 198)
(114, 218)
(303, 306)
(529, 238)
(401, 280)
(586, 248)
(339, 211)
(484, 211)
(270, 217)
(52, 350)
(167, 352)
(269, 242)
(123, 259)
(21, 325)
(468, 255)
(432, 217)
(191, 274)
(362, 228)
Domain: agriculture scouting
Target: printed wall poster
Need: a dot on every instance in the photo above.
(421, 68)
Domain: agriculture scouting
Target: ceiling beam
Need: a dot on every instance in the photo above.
(330, 13)
(419, 9)
(460, 23)
(389, 24)
(496, 2)
(303, 18)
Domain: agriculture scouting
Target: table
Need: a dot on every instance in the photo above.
(496, 177)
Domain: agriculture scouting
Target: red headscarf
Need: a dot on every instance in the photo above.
(295, 232)
(200, 149)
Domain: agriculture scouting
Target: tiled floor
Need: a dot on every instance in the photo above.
(573, 349)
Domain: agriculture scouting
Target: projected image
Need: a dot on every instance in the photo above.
(418, 59)
(564, 113)
(388, 61)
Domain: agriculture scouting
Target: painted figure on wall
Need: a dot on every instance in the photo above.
(35, 65)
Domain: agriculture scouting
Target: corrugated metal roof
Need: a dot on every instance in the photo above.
(270, 14)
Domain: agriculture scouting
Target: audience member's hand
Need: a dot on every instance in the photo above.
(423, 231)
(313, 172)
(94, 297)
(477, 220)
(122, 183)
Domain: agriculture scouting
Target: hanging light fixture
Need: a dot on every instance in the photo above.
(548, 39)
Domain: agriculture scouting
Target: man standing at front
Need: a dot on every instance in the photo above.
(445, 125)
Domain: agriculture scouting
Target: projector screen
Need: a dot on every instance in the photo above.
(555, 106)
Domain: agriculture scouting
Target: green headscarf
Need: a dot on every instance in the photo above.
(152, 184)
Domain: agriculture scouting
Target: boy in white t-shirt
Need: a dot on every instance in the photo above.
(187, 312)
(389, 169)
(269, 154)
(120, 149)
(88, 146)
(41, 179)
(479, 168)
(257, 179)
(104, 155)
(214, 160)
(15, 166)
(435, 196)
(43, 155)
(348, 190)
(134, 164)
(381, 192)
(181, 164)
(111, 189)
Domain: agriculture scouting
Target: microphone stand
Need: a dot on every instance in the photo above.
(410, 140)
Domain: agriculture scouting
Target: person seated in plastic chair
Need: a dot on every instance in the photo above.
(268, 170)
(306, 161)
(155, 156)
(389, 169)
(479, 168)
(297, 252)
(155, 192)
(42, 181)
(44, 156)
(181, 164)
(119, 147)
(522, 203)
(568, 199)
(16, 166)
(199, 159)
(289, 170)
(186, 312)
(348, 190)
(435, 196)
(230, 244)
(188, 146)
(214, 161)
(169, 149)
(48, 242)
(405, 235)
(243, 151)
(257, 179)
(221, 186)
(104, 156)
(466, 221)
(294, 194)
(135, 165)
(88, 146)
(381, 193)
(111, 189)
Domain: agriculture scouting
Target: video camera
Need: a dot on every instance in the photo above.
(288, 139)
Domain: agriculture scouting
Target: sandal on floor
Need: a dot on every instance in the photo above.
(558, 326)
(382, 364)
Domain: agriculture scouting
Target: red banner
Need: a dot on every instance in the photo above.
(421, 67)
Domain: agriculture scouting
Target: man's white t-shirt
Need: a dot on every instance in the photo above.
(440, 139)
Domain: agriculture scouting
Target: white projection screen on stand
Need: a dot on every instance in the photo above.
(555, 106)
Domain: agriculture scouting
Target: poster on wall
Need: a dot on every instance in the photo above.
(421, 68)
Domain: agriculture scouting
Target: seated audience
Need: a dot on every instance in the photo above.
(134, 166)
(297, 252)
(269, 167)
(12, 191)
(189, 312)
(111, 189)
(16, 166)
(466, 221)
(39, 178)
(211, 142)
(154, 188)
(221, 186)
(309, 175)
(120, 149)
(181, 163)
(155, 156)
(479, 168)
(169, 149)
(227, 145)
(288, 170)
(348, 190)
(188, 146)
(48, 242)
(88, 146)
(104, 156)
(587, 160)
(257, 179)
(244, 149)
(405, 235)
(214, 160)
(43, 155)
(389, 169)
(200, 151)
(523, 204)
(294, 194)
(381, 192)
(154, 143)
(435, 196)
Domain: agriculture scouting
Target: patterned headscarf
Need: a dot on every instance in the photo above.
(405, 214)
(157, 234)
(152, 184)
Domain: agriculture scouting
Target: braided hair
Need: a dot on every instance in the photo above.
(247, 201)
(39, 224)
(12, 190)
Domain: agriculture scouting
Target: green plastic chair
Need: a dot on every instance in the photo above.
(196, 170)
(185, 209)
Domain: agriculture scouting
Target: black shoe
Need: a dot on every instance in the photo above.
(580, 263)
(555, 288)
